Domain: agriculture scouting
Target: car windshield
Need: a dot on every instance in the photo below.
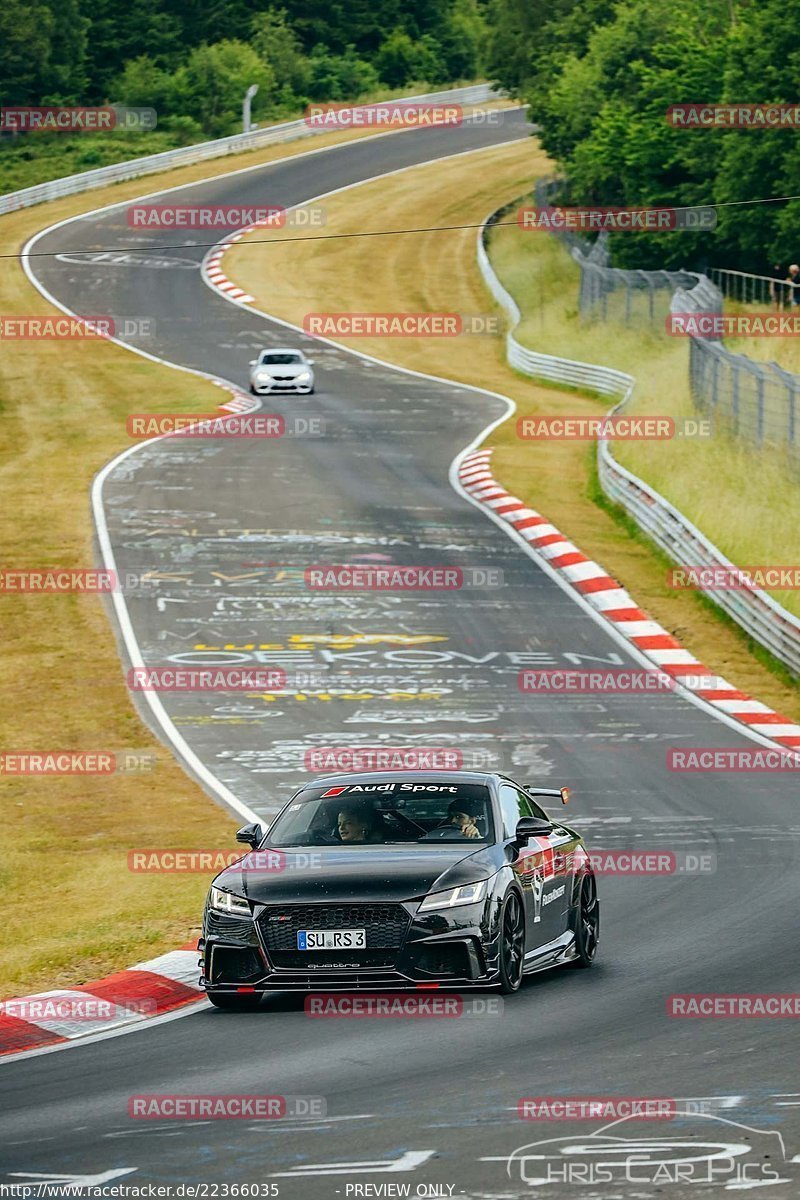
(282, 360)
(380, 813)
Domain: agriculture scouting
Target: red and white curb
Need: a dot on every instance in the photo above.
(615, 605)
(218, 277)
(239, 402)
(149, 989)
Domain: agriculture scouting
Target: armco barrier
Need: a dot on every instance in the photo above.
(184, 156)
(766, 621)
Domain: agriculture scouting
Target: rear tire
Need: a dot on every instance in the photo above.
(235, 1001)
(512, 944)
(587, 923)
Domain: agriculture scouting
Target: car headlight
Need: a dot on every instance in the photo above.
(469, 893)
(304, 377)
(263, 376)
(228, 903)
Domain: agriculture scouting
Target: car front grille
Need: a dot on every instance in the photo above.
(386, 926)
(283, 379)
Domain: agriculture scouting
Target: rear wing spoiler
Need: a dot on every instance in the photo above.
(561, 794)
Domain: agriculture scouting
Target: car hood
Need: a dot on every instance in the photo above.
(277, 369)
(362, 873)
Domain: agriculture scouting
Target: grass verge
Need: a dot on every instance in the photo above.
(747, 501)
(436, 271)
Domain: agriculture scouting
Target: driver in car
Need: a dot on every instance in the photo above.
(466, 822)
(358, 824)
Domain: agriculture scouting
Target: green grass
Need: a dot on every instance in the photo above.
(747, 501)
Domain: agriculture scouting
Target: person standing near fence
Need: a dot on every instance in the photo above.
(793, 278)
(777, 290)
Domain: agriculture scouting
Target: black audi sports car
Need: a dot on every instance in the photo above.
(396, 880)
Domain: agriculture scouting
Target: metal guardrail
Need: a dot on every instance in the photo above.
(755, 289)
(766, 621)
(547, 366)
(183, 156)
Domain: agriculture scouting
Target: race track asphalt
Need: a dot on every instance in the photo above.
(230, 527)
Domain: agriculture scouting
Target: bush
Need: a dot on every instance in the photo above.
(211, 85)
(399, 59)
(340, 76)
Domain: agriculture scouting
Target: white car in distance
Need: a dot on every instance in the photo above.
(282, 370)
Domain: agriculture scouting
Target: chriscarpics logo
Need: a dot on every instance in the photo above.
(687, 1147)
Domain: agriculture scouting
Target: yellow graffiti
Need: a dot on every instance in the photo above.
(335, 641)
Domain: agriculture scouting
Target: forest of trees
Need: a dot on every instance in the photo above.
(599, 76)
(192, 61)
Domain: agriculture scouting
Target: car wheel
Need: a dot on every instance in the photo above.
(512, 944)
(587, 922)
(311, 391)
(252, 390)
(235, 1001)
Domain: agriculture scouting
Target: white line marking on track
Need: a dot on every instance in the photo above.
(409, 1161)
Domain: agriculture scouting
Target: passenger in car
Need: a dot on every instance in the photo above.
(358, 823)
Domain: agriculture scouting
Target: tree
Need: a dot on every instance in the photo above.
(461, 41)
(278, 45)
(143, 83)
(26, 33)
(401, 60)
(212, 83)
(340, 76)
(66, 76)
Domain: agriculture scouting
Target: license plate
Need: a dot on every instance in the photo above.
(331, 939)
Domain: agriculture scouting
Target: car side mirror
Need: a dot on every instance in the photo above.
(251, 835)
(528, 827)
(310, 362)
(253, 362)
